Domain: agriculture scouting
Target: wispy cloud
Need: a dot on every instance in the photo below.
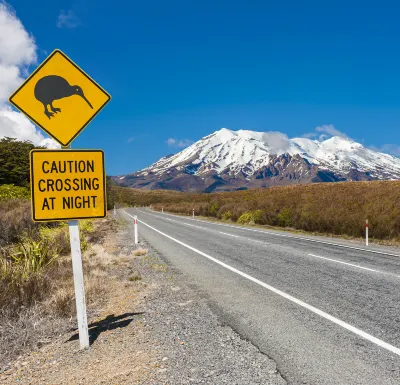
(330, 130)
(180, 143)
(324, 132)
(310, 135)
(68, 19)
(392, 149)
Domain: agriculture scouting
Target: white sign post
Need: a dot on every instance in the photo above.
(78, 284)
(135, 223)
(193, 213)
(366, 232)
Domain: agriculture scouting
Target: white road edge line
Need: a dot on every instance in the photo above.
(287, 236)
(231, 235)
(299, 302)
(351, 264)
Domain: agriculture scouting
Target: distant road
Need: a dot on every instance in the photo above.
(327, 312)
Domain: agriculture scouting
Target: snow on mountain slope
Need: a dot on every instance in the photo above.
(245, 152)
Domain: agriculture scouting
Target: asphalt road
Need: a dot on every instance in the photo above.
(327, 312)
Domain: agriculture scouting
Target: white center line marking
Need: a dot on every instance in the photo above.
(290, 236)
(351, 264)
(295, 300)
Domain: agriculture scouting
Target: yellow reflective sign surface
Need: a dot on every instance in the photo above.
(60, 98)
(67, 184)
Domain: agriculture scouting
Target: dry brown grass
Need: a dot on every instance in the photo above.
(334, 208)
(140, 251)
(15, 219)
(44, 300)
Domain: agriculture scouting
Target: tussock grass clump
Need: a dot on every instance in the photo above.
(140, 251)
(333, 208)
(23, 272)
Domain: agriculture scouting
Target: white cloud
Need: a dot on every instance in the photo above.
(276, 140)
(330, 130)
(17, 47)
(14, 125)
(392, 149)
(68, 19)
(17, 53)
(310, 135)
(324, 132)
(181, 143)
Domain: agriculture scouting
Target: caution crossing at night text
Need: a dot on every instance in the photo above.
(67, 184)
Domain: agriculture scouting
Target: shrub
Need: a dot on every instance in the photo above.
(214, 209)
(9, 191)
(250, 217)
(227, 215)
(284, 218)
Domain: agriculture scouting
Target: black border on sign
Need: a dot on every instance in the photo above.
(81, 71)
(72, 218)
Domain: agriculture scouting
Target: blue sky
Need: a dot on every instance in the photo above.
(183, 69)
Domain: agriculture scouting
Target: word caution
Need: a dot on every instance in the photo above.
(67, 184)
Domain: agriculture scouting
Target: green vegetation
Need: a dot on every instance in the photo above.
(30, 265)
(250, 217)
(8, 191)
(110, 194)
(14, 161)
(333, 208)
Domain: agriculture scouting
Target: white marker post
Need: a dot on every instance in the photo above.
(78, 284)
(193, 213)
(162, 209)
(366, 232)
(135, 223)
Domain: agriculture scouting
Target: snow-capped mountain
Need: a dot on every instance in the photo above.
(228, 160)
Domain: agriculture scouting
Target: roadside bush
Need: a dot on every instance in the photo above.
(284, 218)
(251, 217)
(227, 215)
(214, 209)
(9, 191)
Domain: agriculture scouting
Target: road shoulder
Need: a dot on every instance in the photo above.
(154, 329)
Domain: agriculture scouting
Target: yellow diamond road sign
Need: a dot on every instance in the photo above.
(67, 184)
(60, 98)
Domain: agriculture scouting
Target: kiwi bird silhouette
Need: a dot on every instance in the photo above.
(53, 87)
